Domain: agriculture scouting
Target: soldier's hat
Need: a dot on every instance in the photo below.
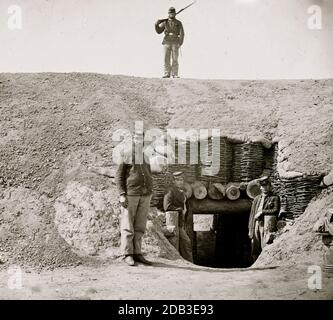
(264, 181)
(172, 10)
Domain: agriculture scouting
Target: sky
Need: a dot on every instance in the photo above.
(224, 39)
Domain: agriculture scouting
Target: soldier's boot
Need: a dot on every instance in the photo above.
(140, 258)
(129, 260)
(166, 76)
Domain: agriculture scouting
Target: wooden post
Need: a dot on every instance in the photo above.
(172, 221)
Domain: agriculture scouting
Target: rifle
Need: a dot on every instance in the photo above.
(181, 10)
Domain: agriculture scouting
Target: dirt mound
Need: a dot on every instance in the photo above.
(297, 113)
(298, 243)
(80, 223)
(154, 241)
(85, 218)
(27, 233)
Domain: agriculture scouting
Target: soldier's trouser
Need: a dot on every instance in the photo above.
(171, 53)
(133, 224)
(185, 245)
(257, 242)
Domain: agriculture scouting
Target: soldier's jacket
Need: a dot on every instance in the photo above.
(271, 207)
(173, 30)
(174, 200)
(134, 179)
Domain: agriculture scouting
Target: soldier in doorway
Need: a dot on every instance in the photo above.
(175, 200)
(173, 40)
(267, 204)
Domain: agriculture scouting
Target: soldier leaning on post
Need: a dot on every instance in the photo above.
(264, 205)
(134, 182)
(175, 200)
(173, 40)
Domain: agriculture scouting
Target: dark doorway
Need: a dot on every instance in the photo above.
(225, 244)
(232, 245)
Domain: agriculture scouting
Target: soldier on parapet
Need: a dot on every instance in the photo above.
(173, 40)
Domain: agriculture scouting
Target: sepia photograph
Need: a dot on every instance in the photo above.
(176, 151)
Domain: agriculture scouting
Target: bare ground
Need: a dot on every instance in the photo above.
(165, 280)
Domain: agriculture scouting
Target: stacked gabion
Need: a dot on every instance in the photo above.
(183, 159)
(296, 193)
(219, 159)
(161, 182)
(248, 161)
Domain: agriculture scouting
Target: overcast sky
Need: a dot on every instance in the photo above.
(225, 39)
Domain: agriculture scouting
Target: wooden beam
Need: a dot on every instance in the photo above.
(225, 206)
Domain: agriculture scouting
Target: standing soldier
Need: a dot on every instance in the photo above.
(173, 40)
(175, 200)
(134, 182)
(267, 204)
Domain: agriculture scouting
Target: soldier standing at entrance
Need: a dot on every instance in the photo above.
(173, 40)
(267, 204)
(175, 200)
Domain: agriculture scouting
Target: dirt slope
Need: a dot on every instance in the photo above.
(299, 244)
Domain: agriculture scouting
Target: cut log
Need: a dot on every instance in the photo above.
(214, 193)
(225, 206)
(199, 190)
(253, 189)
(233, 192)
(220, 187)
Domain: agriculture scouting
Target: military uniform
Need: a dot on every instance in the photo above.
(173, 40)
(267, 205)
(175, 200)
(134, 181)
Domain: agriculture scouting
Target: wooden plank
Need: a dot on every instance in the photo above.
(225, 206)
